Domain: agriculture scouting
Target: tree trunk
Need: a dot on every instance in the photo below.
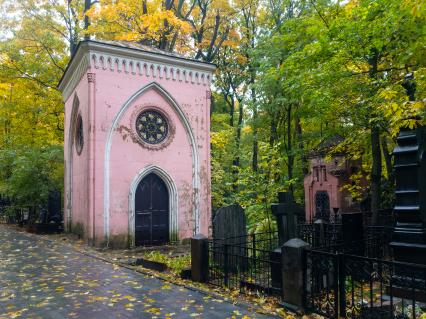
(376, 169)
(87, 5)
(255, 141)
(231, 103)
(236, 162)
(376, 174)
(388, 160)
(298, 131)
(290, 155)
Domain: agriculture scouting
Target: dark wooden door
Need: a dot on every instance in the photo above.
(152, 212)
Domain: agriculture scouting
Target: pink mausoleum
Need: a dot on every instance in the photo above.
(324, 185)
(137, 145)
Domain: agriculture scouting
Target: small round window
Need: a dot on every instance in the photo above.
(79, 137)
(152, 127)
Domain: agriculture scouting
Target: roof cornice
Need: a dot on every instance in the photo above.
(88, 52)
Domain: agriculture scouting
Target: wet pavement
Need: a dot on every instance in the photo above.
(44, 279)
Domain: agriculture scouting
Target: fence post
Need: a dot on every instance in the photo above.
(292, 253)
(225, 265)
(199, 258)
(254, 246)
(319, 233)
(342, 284)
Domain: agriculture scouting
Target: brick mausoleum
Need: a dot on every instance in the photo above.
(323, 184)
(137, 147)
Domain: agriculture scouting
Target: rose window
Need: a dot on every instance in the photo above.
(152, 127)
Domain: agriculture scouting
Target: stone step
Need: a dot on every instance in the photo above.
(407, 191)
(401, 225)
(403, 165)
(407, 197)
(405, 149)
(409, 137)
(406, 209)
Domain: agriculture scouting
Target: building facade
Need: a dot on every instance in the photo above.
(325, 194)
(137, 146)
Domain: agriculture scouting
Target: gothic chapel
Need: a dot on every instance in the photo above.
(137, 145)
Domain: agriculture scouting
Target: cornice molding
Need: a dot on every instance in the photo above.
(75, 71)
(112, 58)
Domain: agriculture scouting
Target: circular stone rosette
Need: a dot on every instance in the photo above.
(152, 128)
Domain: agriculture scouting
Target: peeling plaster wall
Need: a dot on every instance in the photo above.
(112, 89)
(128, 157)
(76, 195)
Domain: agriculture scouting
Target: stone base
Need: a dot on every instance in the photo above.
(409, 252)
(406, 294)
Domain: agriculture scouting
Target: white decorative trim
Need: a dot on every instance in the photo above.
(69, 172)
(107, 57)
(173, 201)
(74, 76)
(194, 153)
(100, 60)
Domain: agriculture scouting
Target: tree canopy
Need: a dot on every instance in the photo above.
(290, 74)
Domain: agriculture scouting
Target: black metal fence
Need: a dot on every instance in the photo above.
(246, 263)
(329, 236)
(321, 235)
(350, 286)
(343, 278)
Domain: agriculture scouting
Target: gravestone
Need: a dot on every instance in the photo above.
(353, 234)
(229, 221)
(409, 238)
(230, 228)
(287, 212)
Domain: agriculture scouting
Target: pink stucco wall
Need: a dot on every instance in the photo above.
(100, 102)
(329, 176)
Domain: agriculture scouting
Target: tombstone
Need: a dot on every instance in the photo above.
(287, 213)
(54, 207)
(409, 238)
(229, 227)
(352, 232)
(229, 221)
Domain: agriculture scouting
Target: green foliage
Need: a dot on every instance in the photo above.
(322, 68)
(175, 263)
(290, 74)
(33, 55)
(28, 174)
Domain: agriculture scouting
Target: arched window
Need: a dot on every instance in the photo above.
(79, 135)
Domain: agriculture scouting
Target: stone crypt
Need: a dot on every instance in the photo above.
(323, 185)
(137, 145)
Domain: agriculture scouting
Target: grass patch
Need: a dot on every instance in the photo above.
(175, 263)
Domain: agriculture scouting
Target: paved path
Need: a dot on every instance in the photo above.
(41, 279)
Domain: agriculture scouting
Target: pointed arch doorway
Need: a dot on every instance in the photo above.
(152, 211)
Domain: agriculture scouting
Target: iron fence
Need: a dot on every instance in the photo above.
(246, 263)
(321, 235)
(351, 286)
